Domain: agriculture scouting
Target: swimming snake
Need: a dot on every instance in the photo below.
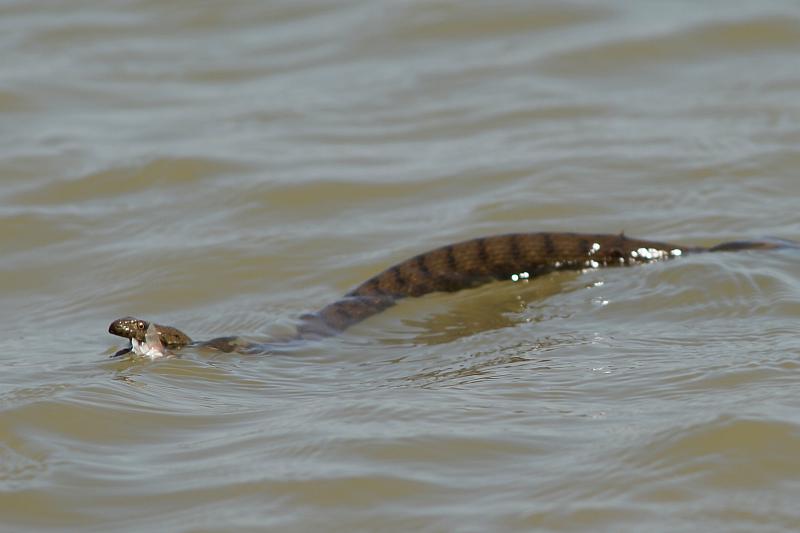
(446, 269)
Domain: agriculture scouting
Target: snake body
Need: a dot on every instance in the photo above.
(446, 269)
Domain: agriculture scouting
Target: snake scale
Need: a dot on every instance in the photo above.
(446, 269)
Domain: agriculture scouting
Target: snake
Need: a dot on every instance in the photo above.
(450, 268)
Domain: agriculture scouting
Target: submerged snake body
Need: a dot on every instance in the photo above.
(447, 269)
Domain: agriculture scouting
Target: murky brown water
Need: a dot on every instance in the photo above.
(225, 167)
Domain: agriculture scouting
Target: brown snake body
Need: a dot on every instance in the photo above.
(446, 269)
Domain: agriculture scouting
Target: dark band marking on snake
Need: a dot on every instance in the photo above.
(450, 255)
(584, 244)
(549, 247)
(446, 269)
(483, 255)
(419, 261)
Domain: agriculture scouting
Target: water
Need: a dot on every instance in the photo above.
(226, 167)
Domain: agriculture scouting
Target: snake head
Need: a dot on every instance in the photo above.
(130, 328)
(148, 339)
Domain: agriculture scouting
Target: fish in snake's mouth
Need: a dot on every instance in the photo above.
(151, 347)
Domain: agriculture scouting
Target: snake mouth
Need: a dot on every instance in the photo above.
(153, 350)
(141, 349)
(146, 343)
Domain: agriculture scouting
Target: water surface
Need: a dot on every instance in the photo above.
(227, 167)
